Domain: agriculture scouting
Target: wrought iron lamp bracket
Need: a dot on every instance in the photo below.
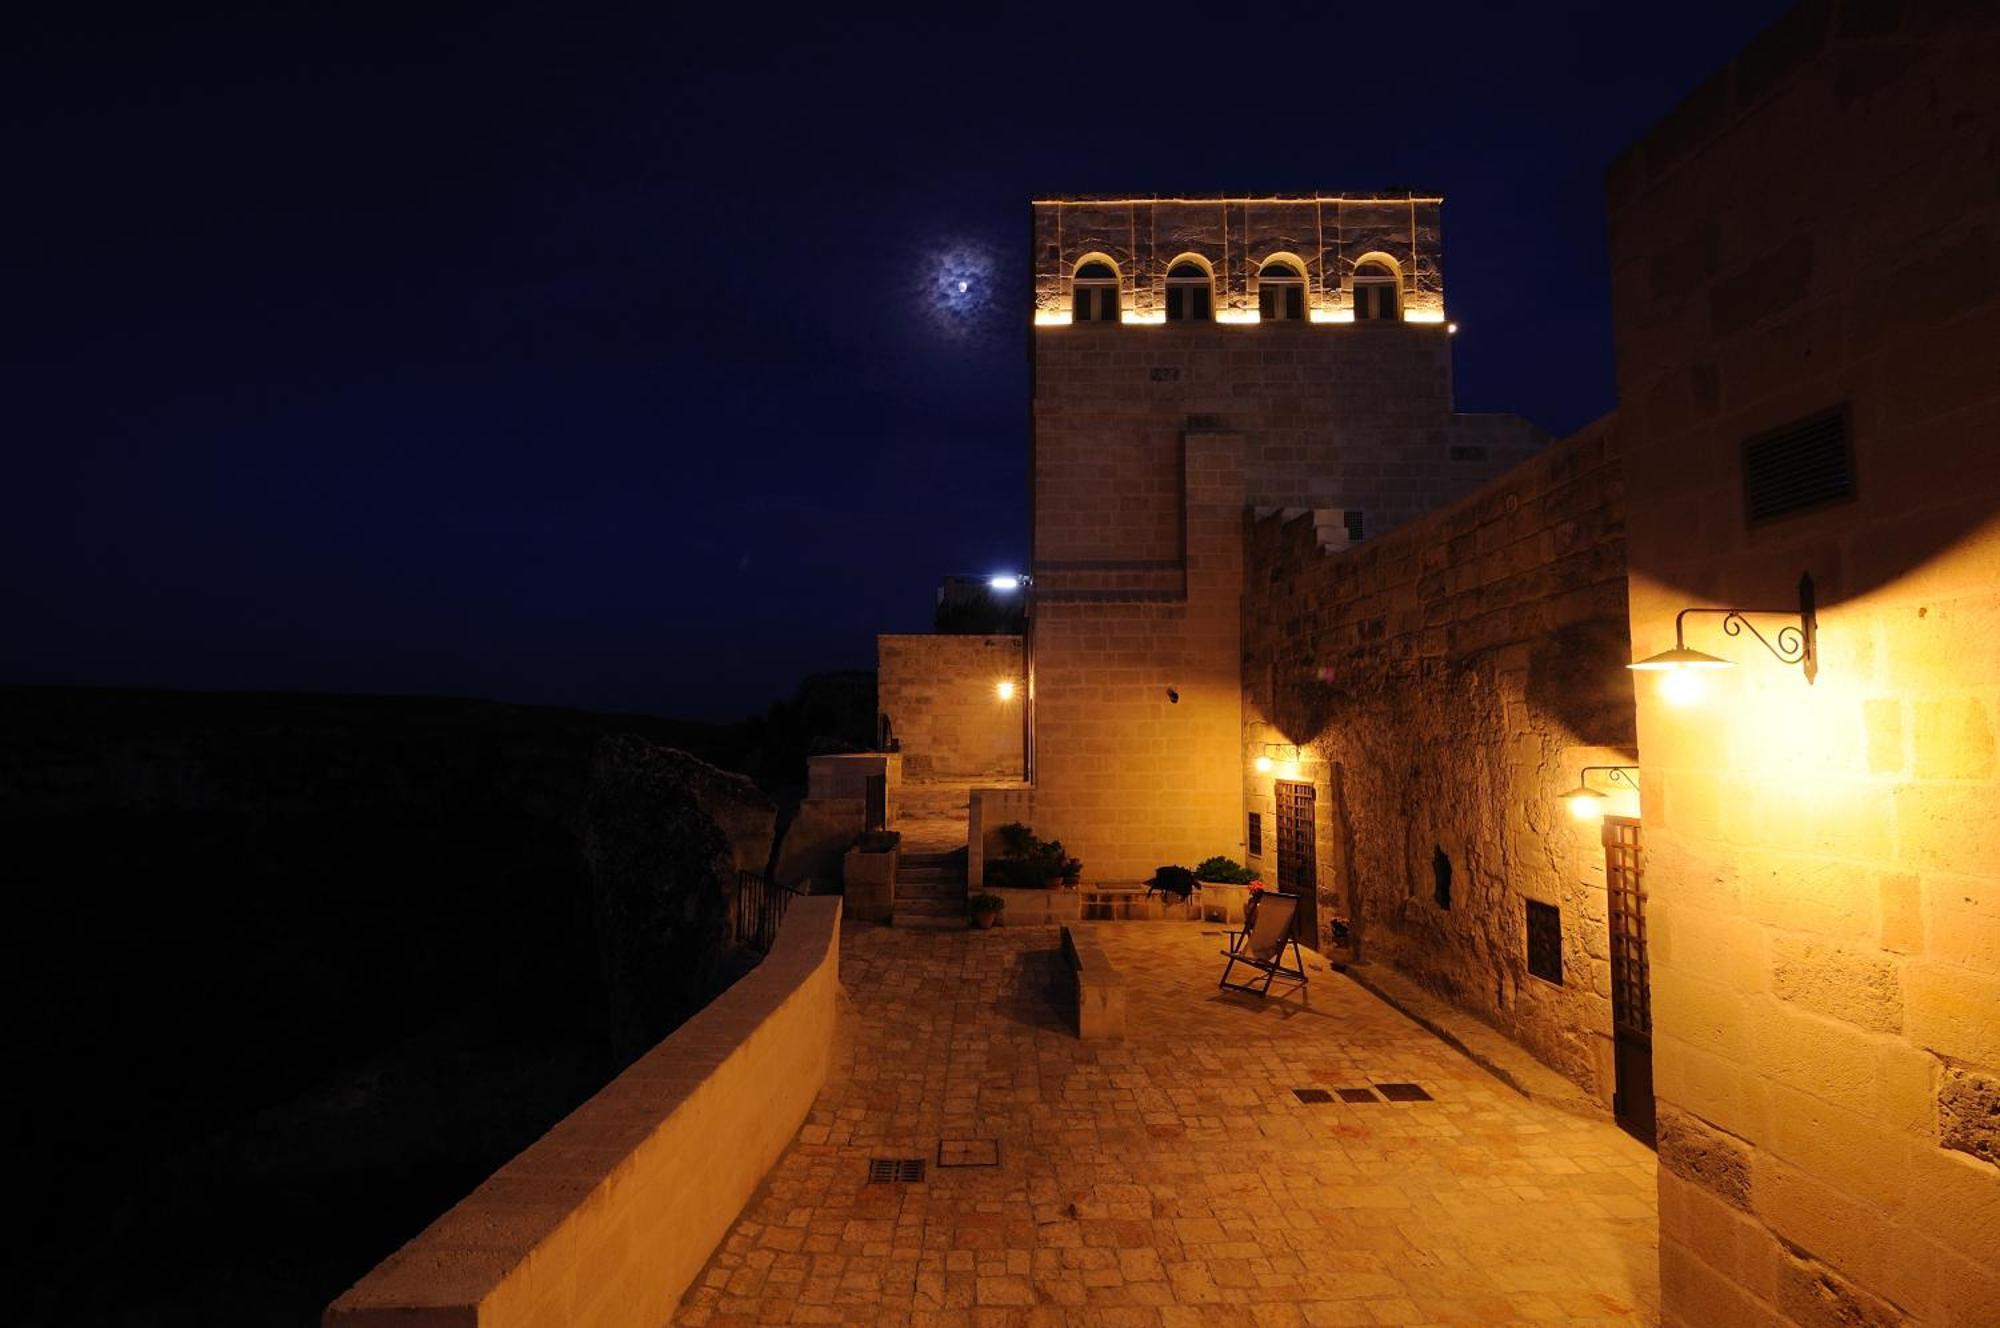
(1613, 774)
(1793, 643)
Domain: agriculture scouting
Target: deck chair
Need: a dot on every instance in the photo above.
(1261, 946)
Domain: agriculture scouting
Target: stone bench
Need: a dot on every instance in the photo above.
(1097, 989)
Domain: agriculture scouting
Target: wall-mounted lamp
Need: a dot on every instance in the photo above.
(1004, 689)
(1790, 644)
(1586, 803)
(1289, 769)
(1006, 582)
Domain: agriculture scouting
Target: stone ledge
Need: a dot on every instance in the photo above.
(1482, 1044)
(608, 1218)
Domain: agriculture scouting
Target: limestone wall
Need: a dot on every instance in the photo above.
(1439, 687)
(941, 695)
(610, 1216)
(1818, 227)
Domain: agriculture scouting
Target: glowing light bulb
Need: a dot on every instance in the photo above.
(1004, 690)
(1263, 764)
(1585, 807)
(1004, 582)
(963, 286)
(1683, 687)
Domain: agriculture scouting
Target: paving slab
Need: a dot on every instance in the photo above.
(1173, 1177)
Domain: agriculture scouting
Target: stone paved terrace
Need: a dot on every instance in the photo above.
(1172, 1178)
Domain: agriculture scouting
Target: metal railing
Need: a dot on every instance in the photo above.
(759, 907)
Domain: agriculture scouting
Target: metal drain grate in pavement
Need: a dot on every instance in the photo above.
(888, 1170)
(1313, 1095)
(1403, 1093)
(968, 1153)
(1356, 1095)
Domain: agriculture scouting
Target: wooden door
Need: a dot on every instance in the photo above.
(1631, 979)
(1298, 867)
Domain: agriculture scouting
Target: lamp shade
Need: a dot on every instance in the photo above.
(1680, 657)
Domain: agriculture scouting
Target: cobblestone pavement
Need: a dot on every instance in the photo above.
(1172, 1178)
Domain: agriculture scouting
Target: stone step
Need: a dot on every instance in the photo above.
(930, 874)
(956, 892)
(924, 922)
(933, 908)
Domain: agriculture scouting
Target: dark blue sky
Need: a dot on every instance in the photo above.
(587, 356)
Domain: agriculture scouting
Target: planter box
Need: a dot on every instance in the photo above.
(1036, 908)
(1218, 902)
(870, 885)
(1130, 903)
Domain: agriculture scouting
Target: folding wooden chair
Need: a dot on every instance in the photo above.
(1261, 946)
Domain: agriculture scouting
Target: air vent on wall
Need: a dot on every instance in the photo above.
(1802, 466)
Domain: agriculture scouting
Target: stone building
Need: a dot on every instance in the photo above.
(1195, 359)
(1289, 606)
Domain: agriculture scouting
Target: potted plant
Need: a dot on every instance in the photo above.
(1223, 871)
(1175, 881)
(985, 909)
(1028, 863)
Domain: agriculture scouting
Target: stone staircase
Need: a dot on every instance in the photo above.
(930, 889)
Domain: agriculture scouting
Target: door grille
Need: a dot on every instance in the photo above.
(1625, 888)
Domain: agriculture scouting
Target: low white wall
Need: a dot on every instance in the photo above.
(608, 1218)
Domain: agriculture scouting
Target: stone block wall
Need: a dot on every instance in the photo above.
(1134, 685)
(941, 696)
(1818, 228)
(1439, 687)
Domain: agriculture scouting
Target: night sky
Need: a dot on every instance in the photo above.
(617, 358)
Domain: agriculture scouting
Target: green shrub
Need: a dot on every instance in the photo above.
(1224, 871)
(979, 904)
(1030, 863)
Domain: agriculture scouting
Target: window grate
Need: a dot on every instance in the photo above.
(1804, 465)
(1353, 519)
(1256, 834)
(1314, 1096)
(1545, 941)
(893, 1170)
(1403, 1093)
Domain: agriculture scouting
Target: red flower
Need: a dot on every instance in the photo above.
(1255, 886)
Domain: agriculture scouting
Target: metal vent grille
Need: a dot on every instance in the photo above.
(1804, 465)
(1545, 941)
(888, 1170)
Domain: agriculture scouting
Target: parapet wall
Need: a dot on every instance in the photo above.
(1440, 686)
(608, 1218)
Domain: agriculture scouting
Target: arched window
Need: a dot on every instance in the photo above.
(1094, 293)
(1281, 292)
(1190, 293)
(1375, 291)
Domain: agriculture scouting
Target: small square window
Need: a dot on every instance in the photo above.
(1545, 943)
(1256, 834)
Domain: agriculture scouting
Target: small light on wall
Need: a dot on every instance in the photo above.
(1263, 765)
(1451, 329)
(1004, 582)
(1004, 689)
(1586, 804)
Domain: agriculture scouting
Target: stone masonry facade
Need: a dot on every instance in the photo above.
(941, 695)
(1817, 229)
(1440, 687)
(1150, 440)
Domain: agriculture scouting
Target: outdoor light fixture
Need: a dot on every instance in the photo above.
(1286, 769)
(1004, 582)
(1586, 803)
(1004, 689)
(1791, 644)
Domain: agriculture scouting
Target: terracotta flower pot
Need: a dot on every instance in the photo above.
(985, 921)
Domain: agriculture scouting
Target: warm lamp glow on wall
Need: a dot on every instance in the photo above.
(1585, 803)
(1004, 689)
(1682, 670)
(1263, 765)
(1283, 769)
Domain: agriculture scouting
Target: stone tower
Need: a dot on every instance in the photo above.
(1195, 360)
